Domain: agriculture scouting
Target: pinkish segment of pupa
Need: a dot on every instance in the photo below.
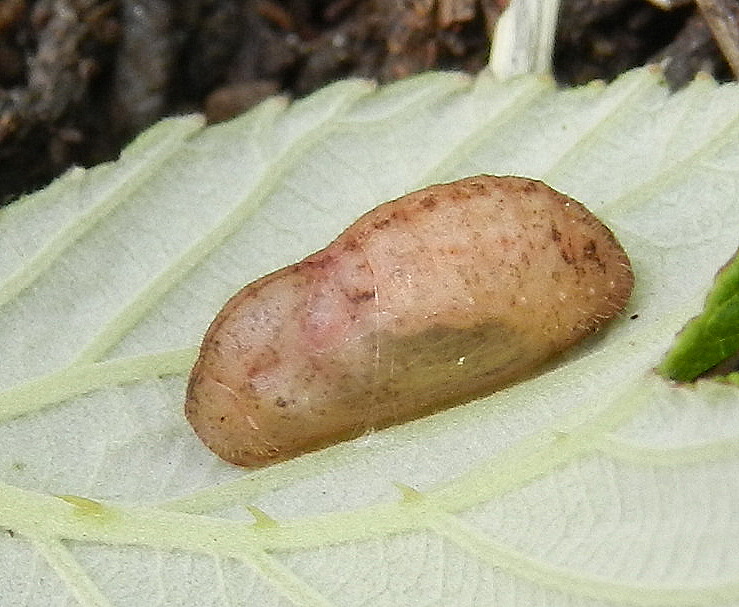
(428, 301)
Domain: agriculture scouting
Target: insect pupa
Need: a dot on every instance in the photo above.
(428, 301)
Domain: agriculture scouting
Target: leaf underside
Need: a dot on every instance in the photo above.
(597, 482)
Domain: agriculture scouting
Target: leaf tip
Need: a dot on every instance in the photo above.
(87, 507)
(262, 520)
(408, 494)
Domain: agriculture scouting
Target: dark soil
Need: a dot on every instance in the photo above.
(80, 78)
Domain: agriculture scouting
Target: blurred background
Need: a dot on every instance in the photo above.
(80, 78)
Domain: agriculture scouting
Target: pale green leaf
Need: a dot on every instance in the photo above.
(596, 483)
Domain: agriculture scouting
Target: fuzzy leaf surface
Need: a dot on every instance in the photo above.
(596, 483)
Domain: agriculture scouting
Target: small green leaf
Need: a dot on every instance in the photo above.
(711, 337)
